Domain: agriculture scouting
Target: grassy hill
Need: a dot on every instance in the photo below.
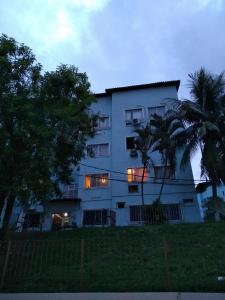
(187, 257)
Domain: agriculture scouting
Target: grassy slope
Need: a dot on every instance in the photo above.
(186, 257)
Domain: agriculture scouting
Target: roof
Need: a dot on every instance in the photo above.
(109, 91)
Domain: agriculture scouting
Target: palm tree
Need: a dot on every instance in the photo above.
(144, 143)
(164, 129)
(204, 121)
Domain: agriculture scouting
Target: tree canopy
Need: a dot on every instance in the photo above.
(44, 124)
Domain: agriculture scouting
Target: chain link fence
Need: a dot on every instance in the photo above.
(107, 264)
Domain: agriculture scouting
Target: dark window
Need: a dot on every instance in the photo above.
(151, 214)
(130, 143)
(172, 211)
(133, 188)
(188, 201)
(32, 220)
(120, 204)
(95, 217)
(163, 172)
(135, 213)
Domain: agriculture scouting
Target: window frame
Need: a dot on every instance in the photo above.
(132, 109)
(137, 176)
(155, 107)
(96, 186)
(98, 145)
(136, 185)
(167, 177)
(98, 128)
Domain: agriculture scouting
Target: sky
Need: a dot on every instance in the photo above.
(122, 42)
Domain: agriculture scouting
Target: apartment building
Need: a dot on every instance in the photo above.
(107, 188)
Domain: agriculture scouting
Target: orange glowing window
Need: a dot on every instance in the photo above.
(135, 175)
(96, 180)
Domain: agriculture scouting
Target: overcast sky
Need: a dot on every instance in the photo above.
(122, 42)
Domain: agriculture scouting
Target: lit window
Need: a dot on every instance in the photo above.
(98, 150)
(131, 114)
(163, 172)
(159, 110)
(103, 122)
(96, 180)
(135, 175)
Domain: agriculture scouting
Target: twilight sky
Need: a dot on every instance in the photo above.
(122, 42)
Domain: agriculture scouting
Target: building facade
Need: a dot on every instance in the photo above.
(204, 192)
(107, 188)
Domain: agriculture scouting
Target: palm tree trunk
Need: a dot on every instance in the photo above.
(142, 184)
(214, 193)
(7, 215)
(163, 181)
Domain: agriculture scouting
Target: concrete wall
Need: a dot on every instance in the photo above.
(119, 159)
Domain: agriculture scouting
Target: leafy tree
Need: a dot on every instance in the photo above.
(44, 124)
(204, 120)
(144, 143)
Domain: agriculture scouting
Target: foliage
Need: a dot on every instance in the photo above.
(164, 129)
(118, 259)
(204, 120)
(144, 143)
(154, 213)
(214, 205)
(44, 124)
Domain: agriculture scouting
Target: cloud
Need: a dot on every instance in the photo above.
(122, 42)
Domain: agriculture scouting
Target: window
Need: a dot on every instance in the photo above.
(159, 110)
(32, 220)
(130, 142)
(95, 217)
(98, 150)
(135, 175)
(131, 114)
(188, 201)
(120, 204)
(150, 214)
(103, 122)
(96, 180)
(161, 173)
(133, 188)
(69, 191)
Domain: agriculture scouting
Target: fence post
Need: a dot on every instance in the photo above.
(5, 264)
(165, 248)
(81, 263)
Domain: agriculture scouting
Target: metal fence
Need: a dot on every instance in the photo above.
(109, 264)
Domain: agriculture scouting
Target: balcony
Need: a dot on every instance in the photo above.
(69, 192)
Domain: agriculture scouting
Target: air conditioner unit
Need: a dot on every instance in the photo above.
(128, 122)
(133, 153)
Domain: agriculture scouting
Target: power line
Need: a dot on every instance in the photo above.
(125, 181)
(123, 173)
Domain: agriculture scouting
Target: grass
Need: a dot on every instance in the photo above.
(187, 257)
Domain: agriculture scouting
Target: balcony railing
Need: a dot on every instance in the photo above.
(70, 191)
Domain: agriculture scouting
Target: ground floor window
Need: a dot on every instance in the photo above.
(60, 220)
(99, 217)
(151, 214)
(32, 220)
